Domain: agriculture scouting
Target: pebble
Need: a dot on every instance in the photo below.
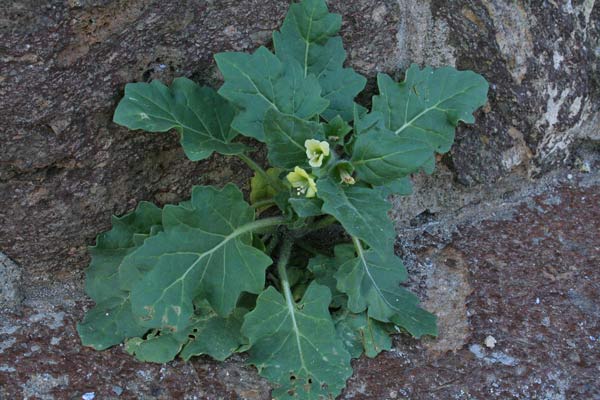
(118, 390)
(490, 342)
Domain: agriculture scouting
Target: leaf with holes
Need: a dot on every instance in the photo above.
(158, 347)
(216, 336)
(295, 345)
(109, 323)
(430, 103)
(309, 36)
(258, 82)
(199, 114)
(204, 251)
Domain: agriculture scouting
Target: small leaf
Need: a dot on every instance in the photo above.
(158, 348)
(336, 130)
(203, 251)
(363, 334)
(361, 211)
(373, 281)
(215, 336)
(127, 233)
(260, 189)
(295, 345)
(199, 114)
(109, 323)
(416, 321)
(285, 138)
(260, 81)
(308, 36)
(430, 103)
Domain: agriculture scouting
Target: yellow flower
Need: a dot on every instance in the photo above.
(316, 151)
(303, 182)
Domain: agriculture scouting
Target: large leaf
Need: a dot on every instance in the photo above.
(216, 336)
(127, 233)
(260, 81)
(380, 157)
(295, 345)
(109, 323)
(361, 211)
(363, 334)
(205, 250)
(401, 187)
(430, 103)
(285, 138)
(199, 114)
(372, 281)
(308, 35)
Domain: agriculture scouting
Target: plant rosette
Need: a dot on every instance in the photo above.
(217, 275)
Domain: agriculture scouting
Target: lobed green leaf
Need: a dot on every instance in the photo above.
(372, 282)
(430, 103)
(295, 346)
(308, 36)
(258, 82)
(362, 212)
(216, 336)
(203, 251)
(199, 114)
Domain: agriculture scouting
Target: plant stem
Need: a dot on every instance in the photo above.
(262, 223)
(284, 256)
(272, 244)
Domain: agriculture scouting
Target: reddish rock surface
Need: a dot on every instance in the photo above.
(529, 280)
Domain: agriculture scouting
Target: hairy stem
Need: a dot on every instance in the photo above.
(272, 244)
(260, 224)
(284, 256)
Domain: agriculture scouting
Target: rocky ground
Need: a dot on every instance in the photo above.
(515, 283)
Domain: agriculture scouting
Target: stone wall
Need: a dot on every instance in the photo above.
(498, 241)
(65, 167)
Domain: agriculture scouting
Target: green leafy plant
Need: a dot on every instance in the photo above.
(216, 275)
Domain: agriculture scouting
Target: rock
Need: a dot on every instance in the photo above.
(10, 283)
(490, 342)
(66, 167)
